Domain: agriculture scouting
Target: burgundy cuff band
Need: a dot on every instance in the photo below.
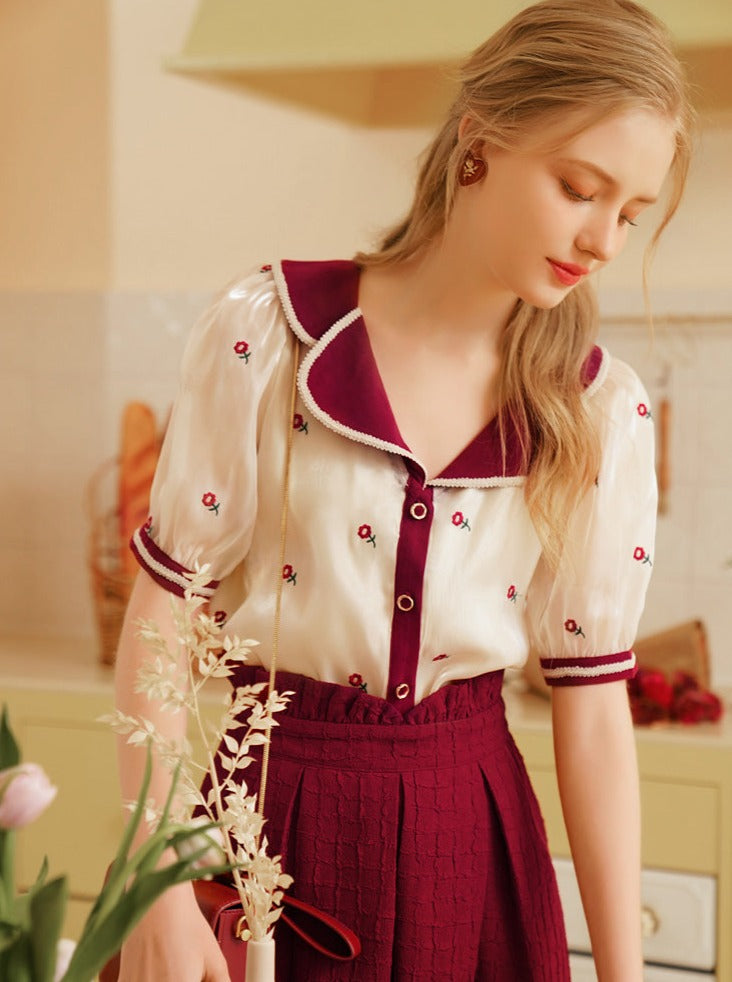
(589, 671)
(164, 570)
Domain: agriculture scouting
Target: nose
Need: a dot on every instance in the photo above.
(602, 237)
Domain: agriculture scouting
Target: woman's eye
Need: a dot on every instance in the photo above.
(573, 193)
(624, 220)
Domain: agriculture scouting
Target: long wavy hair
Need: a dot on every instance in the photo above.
(555, 61)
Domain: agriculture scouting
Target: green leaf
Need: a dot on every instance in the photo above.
(96, 947)
(118, 872)
(9, 934)
(42, 874)
(15, 962)
(9, 750)
(47, 908)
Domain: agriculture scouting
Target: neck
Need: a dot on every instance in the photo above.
(440, 292)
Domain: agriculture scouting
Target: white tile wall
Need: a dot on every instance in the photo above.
(51, 388)
(690, 364)
(69, 363)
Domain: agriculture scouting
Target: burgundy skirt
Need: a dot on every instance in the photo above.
(421, 832)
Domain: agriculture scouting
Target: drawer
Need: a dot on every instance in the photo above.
(583, 970)
(680, 822)
(678, 916)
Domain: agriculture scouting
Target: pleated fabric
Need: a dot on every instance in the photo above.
(421, 832)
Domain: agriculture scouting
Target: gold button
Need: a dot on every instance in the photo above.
(405, 602)
(418, 510)
(402, 691)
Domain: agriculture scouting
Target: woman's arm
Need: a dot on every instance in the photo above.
(598, 784)
(173, 940)
(151, 602)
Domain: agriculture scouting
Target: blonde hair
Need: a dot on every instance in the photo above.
(555, 61)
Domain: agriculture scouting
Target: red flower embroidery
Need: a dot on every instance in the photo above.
(356, 680)
(242, 349)
(441, 657)
(572, 627)
(365, 533)
(148, 524)
(289, 574)
(209, 501)
(299, 424)
(460, 521)
(512, 593)
(644, 411)
(265, 269)
(219, 617)
(640, 554)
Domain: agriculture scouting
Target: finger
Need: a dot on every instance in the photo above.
(216, 969)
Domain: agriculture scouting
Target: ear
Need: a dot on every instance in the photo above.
(466, 124)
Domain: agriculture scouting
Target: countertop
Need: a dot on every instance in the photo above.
(73, 665)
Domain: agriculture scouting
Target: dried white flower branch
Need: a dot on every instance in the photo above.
(177, 684)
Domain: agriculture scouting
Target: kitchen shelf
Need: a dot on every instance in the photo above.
(228, 35)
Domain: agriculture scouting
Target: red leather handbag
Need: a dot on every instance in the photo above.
(219, 903)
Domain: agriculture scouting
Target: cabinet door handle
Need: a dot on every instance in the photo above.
(650, 922)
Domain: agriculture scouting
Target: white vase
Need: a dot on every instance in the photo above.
(260, 961)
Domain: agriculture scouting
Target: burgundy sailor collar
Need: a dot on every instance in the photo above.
(340, 384)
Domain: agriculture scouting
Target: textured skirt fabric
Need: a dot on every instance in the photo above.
(421, 832)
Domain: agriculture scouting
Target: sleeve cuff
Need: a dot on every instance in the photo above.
(589, 671)
(164, 570)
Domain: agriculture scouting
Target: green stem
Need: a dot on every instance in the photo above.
(7, 879)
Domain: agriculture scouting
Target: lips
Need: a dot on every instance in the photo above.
(567, 273)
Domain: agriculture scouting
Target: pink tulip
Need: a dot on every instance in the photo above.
(64, 950)
(25, 792)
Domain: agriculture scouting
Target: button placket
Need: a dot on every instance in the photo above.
(411, 559)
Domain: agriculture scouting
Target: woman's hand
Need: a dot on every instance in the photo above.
(173, 943)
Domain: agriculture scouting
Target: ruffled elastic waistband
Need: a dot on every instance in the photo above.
(337, 726)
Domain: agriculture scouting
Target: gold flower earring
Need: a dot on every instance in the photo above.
(473, 169)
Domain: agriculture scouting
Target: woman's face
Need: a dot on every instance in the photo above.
(540, 221)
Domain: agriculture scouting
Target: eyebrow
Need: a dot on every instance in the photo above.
(604, 176)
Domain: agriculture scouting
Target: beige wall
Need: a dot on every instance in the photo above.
(209, 177)
(117, 174)
(128, 194)
(212, 176)
(54, 117)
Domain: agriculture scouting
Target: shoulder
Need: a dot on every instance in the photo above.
(251, 296)
(244, 318)
(621, 411)
(615, 386)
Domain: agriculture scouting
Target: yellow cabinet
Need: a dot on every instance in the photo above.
(57, 691)
(686, 797)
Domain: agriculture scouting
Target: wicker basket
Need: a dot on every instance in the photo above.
(111, 583)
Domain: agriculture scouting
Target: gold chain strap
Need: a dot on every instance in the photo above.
(278, 596)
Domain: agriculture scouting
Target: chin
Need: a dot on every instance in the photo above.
(544, 299)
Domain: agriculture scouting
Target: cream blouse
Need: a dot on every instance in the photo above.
(392, 583)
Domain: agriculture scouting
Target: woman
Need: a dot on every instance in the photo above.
(470, 476)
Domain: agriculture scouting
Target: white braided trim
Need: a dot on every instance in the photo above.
(333, 424)
(171, 575)
(478, 482)
(579, 671)
(284, 294)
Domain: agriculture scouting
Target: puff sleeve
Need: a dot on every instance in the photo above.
(582, 618)
(203, 501)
